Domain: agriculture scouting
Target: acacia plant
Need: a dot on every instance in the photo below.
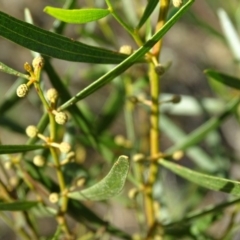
(74, 157)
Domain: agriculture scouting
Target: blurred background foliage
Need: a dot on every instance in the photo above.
(201, 40)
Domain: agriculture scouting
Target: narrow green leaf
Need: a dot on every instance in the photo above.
(109, 186)
(204, 180)
(147, 12)
(11, 71)
(229, 81)
(7, 149)
(202, 212)
(77, 15)
(52, 44)
(200, 133)
(123, 66)
(17, 206)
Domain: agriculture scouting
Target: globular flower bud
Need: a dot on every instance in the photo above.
(61, 118)
(39, 160)
(177, 3)
(133, 193)
(28, 67)
(8, 165)
(52, 95)
(80, 182)
(126, 49)
(38, 62)
(64, 147)
(53, 197)
(31, 131)
(139, 157)
(22, 90)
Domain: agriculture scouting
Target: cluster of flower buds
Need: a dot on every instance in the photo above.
(32, 132)
(60, 117)
(34, 72)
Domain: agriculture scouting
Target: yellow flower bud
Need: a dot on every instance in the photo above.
(61, 118)
(28, 67)
(22, 90)
(38, 62)
(126, 49)
(52, 95)
(31, 131)
(177, 3)
(39, 160)
(64, 147)
(53, 197)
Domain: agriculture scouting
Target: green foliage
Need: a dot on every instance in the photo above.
(69, 160)
(109, 186)
(77, 15)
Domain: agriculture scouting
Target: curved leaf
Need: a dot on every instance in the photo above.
(52, 44)
(77, 15)
(109, 186)
(6, 149)
(17, 206)
(229, 81)
(147, 12)
(204, 180)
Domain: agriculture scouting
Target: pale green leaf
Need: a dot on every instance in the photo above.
(109, 186)
(77, 15)
(204, 180)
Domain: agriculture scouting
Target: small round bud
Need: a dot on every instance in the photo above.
(126, 49)
(39, 160)
(64, 147)
(31, 131)
(80, 182)
(160, 69)
(13, 181)
(38, 62)
(22, 90)
(61, 118)
(178, 155)
(119, 140)
(53, 197)
(138, 157)
(177, 3)
(8, 165)
(133, 193)
(176, 99)
(52, 95)
(28, 67)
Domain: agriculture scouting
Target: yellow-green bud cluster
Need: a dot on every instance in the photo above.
(177, 3)
(22, 90)
(126, 49)
(64, 147)
(53, 197)
(38, 63)
(61, 118)
(31, 131)
(52, 95)
(39, 160)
